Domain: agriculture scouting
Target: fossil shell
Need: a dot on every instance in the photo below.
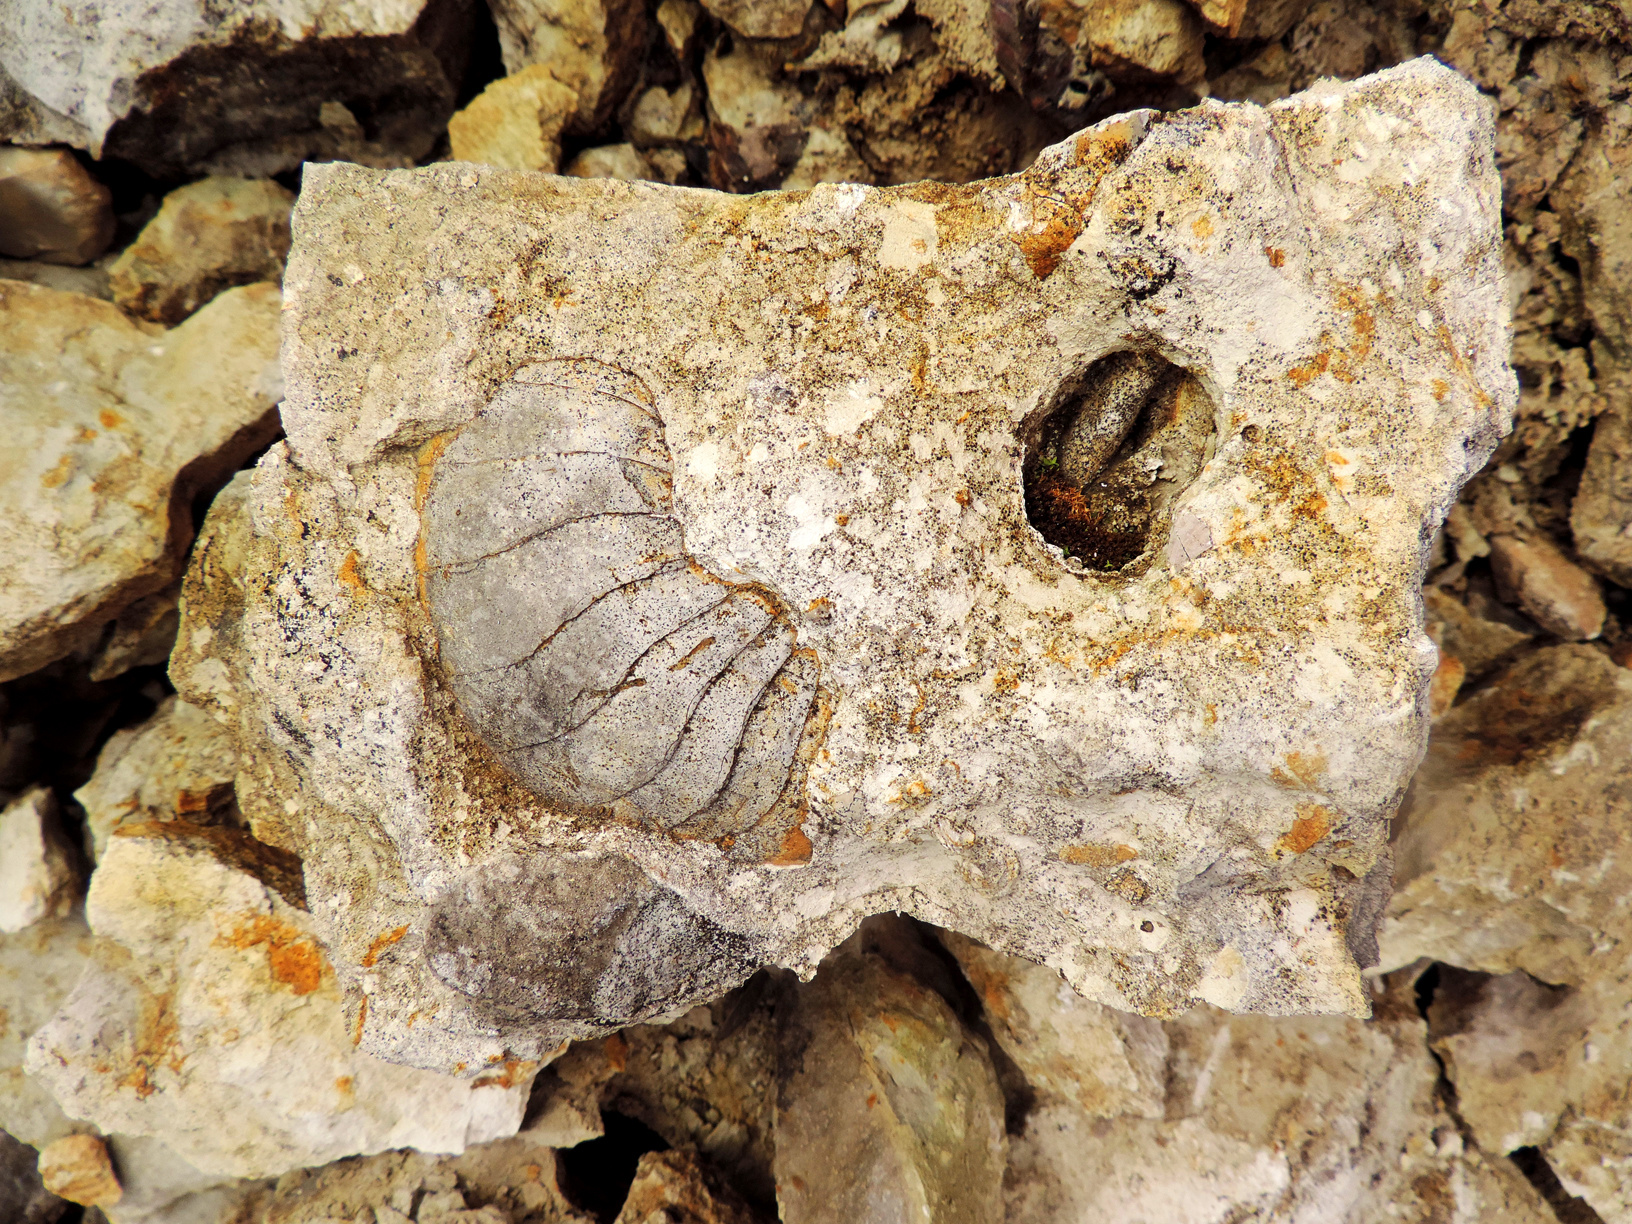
(599, 661)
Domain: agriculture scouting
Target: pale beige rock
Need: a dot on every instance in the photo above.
(51, 209)
(77, 1168)
(516, 122)
(203, 664)
(963, 33)
(112, 425)
(678, 20)
(1245, 734)
(672, 1186)
(889, 1109)
(207, 236)
(620, 161)
(594, 47)
(665, 116)
(1223, 16)
(1507, 856)
(142, 635)
(1601, 514)
(761, 18)
(39, 878)
(213, 1022)
(1104, 1062)
(148, 84)
(92, 281)
(178, 765)
(828, 157)
(1143, 39)
(1321, 1120)
(38, 967)
(1537, 576)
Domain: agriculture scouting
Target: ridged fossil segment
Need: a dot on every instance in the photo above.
(604, 666)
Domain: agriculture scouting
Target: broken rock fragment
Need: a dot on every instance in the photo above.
(213, 1022)
(1558, 594)
(77, 1168)
(208, 236)
(516, 122)
(112, 426)
(38, 873)
(592, 47)
(237, 88)
(51, 209)
(670, 574)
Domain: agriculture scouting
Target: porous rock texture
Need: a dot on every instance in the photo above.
(112, 425)
(646, 590)
(243, 87)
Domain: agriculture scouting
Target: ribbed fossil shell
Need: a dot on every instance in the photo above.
(599, 661)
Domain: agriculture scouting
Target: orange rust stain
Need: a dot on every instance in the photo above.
(1311, 824)
(1202, 227)
(1303, 770)
(428, 455)
(344, 1086)
(380, 944)
(293, 957)
(1303, 375)
(1277, 257)
(1441, 389)
(1006, 680)
(1088, 854)
(692, 653)
(795, 848)
(514, 1070)
(156, 1045)
(617, 1052)
(348, 574)
(1045, 248)
(110, 419)
(872, 1100)
(1212, 713)
(58, 475)
(362, 1016)
(923, 702)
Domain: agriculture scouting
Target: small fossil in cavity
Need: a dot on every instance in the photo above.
(1110, 407)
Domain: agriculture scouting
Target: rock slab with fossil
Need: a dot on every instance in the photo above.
(654, 583)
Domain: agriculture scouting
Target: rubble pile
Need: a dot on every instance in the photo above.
(1041, 915)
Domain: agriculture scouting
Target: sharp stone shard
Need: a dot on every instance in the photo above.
(656, 582)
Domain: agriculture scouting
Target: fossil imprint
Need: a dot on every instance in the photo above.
(630, 676)
(657, 582)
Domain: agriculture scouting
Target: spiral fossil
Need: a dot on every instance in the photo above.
(600, 662)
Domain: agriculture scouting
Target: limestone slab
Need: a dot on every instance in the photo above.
(653, 574)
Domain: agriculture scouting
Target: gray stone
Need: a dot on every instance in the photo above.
(533, 418)
(23, 1197)
(242, 87)
(51, 209)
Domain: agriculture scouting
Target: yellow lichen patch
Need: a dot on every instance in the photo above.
(426, 460)
(110, 419)
(512, 1072)
(1090, 854)
(293, 958)
(58, 475)
(1312, 823)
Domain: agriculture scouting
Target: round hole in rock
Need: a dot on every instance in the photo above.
(1108, 456)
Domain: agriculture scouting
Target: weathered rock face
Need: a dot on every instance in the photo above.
(689, 577)
(111, 427)
(39, 876)
(178, 765)
(211, 1021)
(245, 87)
(208, 236)
(593, 47)
(51, 209)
